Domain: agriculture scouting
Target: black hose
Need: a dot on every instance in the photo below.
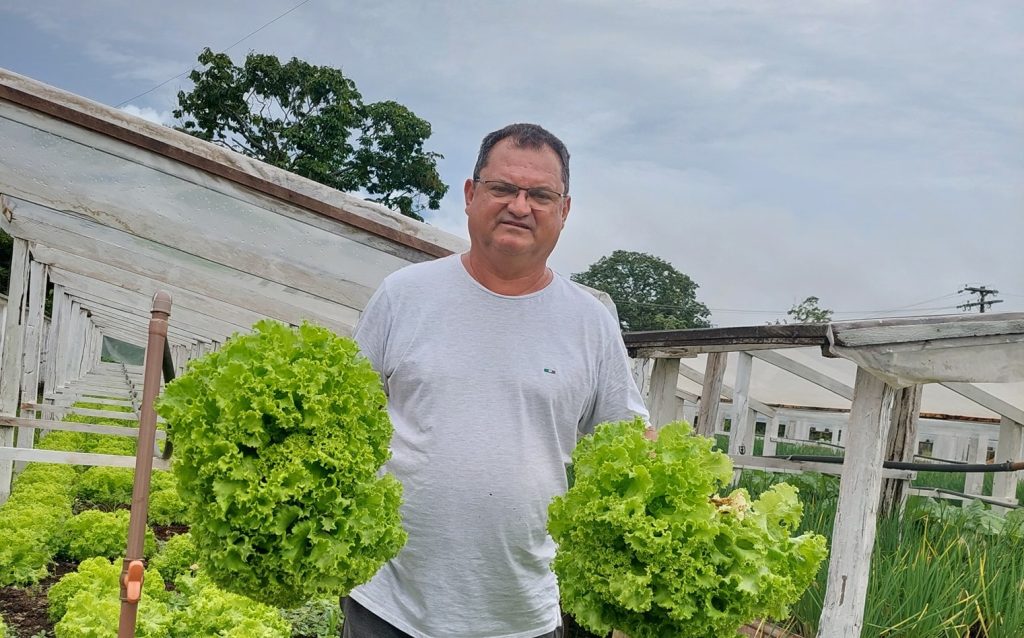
(1008, 466)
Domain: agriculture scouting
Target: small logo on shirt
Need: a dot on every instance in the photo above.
(549, 370)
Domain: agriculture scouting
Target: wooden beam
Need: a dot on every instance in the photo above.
(733, 337)
(11, 359)
(804, 372)
(741, 431)
(32, 345)
(727, 391)
(77, 458)
(901, 445)
(662, 397)
(711, 394)
(72, 426)
(173, 266)
(363, 221)
(853, 538)
(1009, 448)
(986, 400)
(977, 452)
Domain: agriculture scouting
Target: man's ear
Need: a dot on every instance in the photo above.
(565, 208)
(469, 191)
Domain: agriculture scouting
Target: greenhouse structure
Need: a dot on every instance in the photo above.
(106, 209)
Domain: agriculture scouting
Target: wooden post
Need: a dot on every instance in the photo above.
(771, 431)
(853, 538)
(741, 433)
(1004, 484)
(661, 402)
(900, 445)
(11, 362)
(711, 394)
(977, 452)
(32, 347)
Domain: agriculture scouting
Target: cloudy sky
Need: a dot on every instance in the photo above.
(870, 153)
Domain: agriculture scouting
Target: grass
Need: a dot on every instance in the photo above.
(932, 575)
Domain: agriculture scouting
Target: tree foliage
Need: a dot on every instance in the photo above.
(808, 311)
(311, 120)
(649, 292)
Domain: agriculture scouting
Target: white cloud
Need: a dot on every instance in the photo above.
(149, 114)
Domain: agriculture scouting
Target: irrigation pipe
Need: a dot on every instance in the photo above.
(1008, 466)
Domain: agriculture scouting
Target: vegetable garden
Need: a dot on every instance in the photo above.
(263, 524)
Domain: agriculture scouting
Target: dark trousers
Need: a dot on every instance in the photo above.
(362, 623)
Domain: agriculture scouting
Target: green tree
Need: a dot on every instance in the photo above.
(311, 120)
(649, 292)
(808, 311)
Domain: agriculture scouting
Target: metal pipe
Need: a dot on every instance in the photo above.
(133, 565)
(1008, 466)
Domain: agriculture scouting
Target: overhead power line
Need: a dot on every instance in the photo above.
(236, 43)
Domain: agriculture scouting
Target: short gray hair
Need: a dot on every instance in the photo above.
(530, 136)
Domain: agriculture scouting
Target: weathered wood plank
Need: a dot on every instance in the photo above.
(71, 426)
(977, 452)
(119, 135)
(892, 331)
(804, 372)
(986, 400)
(1009, 448)
(711, 394)
(901, 445)
(77, 458)
(662, 398)
(857, 510)
(33, 346)
(11, 358)
(741, 430)
(176, 268)
(727, 391)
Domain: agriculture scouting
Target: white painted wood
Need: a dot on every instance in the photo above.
(1009, 448)
(32, 346)
(986, 400)
(857, 510)
(76, 458)
(727, 391)
(855, 334)
(71, 426)
(771, 433)
(977, 453)
(178, 269)
(711, 394)
(783, 362)
(11, 362)
(188, 176)
(661, 401)
(741, 431)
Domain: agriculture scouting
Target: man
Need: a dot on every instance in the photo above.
(493, 366)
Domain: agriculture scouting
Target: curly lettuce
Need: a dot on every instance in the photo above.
(646, 546)
(278, 439)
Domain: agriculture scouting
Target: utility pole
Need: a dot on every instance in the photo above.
(982, 292)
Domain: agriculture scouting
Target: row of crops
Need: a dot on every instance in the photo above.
(74, 519)
(943, 570)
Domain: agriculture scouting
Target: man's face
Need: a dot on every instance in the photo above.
(519, 227)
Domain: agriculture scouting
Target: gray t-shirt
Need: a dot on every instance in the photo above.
(488, 395)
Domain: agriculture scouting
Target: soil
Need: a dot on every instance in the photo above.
(24, 608)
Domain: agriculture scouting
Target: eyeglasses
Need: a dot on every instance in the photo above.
(505, 192)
